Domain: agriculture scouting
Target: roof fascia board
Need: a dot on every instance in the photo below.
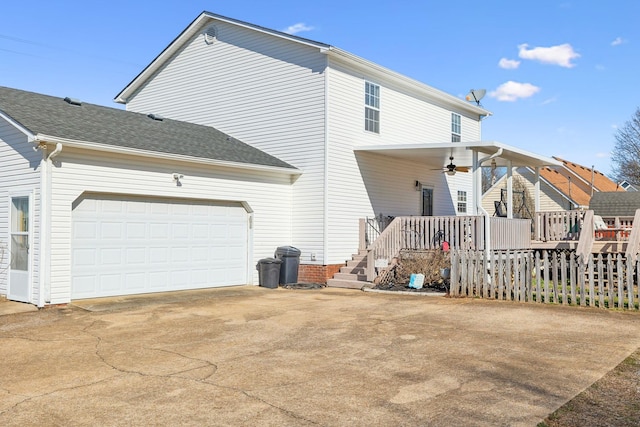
(166, 156)
(403, 80)
(31, 137)
(183, 38)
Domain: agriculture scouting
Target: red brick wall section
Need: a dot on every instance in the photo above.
(308, 273)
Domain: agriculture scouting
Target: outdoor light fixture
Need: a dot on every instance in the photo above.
(418, 185)
(177, 177)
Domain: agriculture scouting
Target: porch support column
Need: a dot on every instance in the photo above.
(476, 171)
(537, 189)
(509, 189)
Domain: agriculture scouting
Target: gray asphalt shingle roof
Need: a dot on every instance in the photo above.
(52, 116)
(619, 203)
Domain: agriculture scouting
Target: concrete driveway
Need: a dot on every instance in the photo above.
(276, 357)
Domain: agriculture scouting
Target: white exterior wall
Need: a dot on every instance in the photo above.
(19, 172)
(364, 184)
(550, 198)
(78, 172)
(265, 91)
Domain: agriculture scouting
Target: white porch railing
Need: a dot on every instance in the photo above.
(510, 234)
(424, 232)
(557, 226)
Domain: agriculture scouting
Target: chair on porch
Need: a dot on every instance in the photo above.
(500, 208)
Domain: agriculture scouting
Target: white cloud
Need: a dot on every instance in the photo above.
(549, 101)
(561, 55)
(512, 91)
(297, 28)
(508, 64)
(603, 155)
(618, 41)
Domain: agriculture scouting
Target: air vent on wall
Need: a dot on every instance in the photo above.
(210, 34)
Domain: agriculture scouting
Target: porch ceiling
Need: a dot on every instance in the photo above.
(437, 154)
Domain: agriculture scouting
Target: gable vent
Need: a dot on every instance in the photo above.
(72, 101)
(210, 34)
(156, 117)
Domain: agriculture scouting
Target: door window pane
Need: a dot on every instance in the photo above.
(20, 215)
(19, 252)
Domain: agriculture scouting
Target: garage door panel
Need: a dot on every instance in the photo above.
(134, 246)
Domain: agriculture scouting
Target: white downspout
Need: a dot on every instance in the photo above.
(44, 291)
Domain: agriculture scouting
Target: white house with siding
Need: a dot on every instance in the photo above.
(98, 201)
(369, 141)
(274, 140)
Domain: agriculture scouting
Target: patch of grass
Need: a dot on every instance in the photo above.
(613, 400)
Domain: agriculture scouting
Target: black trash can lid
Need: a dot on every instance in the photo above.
(288, 251)
(270, 261)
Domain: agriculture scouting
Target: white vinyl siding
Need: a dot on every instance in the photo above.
(366, 184)
(268, 195)
(19, 172)
(264, 91)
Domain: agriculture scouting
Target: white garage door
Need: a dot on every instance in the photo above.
(124, 246)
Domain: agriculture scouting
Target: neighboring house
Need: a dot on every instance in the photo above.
(615, 204)
(565, 187)
(98, 201)
(368, 140)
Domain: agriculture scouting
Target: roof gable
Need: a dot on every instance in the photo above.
(205, 18)
(47, 116)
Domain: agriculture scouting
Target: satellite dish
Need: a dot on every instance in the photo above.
(476, 95)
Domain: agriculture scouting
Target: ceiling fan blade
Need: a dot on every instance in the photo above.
(462, 169)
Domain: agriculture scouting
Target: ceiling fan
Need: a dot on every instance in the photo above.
(451, 169)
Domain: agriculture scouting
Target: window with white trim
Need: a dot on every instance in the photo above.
(462, 202)
(456, 127)
(371, 107)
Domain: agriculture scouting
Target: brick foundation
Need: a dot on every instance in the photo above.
(308, 273)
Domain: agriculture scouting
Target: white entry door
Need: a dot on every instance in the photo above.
(19, 275)
(130, 245)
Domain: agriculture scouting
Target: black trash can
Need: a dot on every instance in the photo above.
(290, 257)
(269, 272)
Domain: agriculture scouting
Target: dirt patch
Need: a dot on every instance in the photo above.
(614, 400)
(429, 263)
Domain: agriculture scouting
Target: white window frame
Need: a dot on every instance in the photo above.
(462, 202)
(371, 107)
(456, 127)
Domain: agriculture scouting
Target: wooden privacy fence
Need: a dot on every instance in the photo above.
(559, 277)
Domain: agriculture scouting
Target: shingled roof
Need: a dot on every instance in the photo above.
(615, 203)
(561, 180)
(600, 181)
(44, 115)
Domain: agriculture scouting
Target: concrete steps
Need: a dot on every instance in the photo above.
(353, 275)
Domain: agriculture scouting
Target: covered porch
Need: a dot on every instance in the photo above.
(382, 238)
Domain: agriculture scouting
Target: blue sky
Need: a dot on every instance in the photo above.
(560, 75)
